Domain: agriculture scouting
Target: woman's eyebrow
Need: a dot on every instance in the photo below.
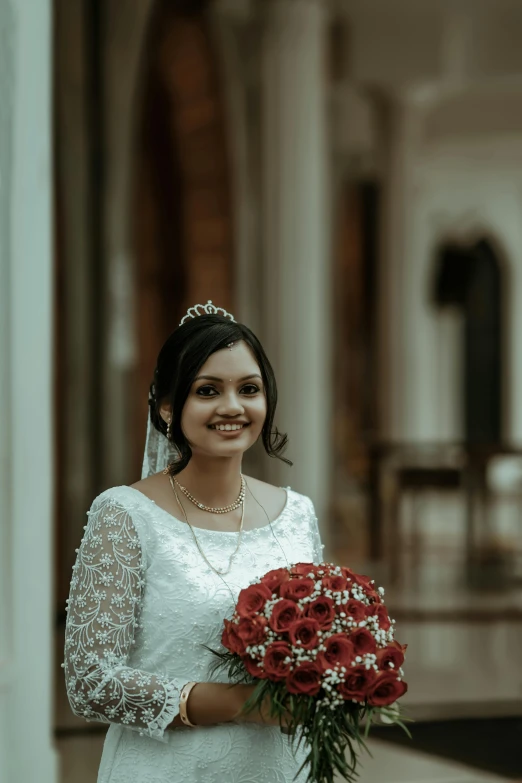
(214, 378)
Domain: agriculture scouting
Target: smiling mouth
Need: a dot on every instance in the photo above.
(228, 427)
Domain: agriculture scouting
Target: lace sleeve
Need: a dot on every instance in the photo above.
(102, 614)
(317, 544)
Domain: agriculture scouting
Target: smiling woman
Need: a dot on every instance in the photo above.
(162, 563)
(201, 380)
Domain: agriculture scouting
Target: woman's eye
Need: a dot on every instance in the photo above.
(202, 391)
(207, 391)
(253, 388)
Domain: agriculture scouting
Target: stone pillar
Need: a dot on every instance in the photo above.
(26, 399)
(401, 296)
(296, 260)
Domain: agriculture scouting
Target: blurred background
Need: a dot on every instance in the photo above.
(346, 178)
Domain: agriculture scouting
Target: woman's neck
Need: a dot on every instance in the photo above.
(214, 482)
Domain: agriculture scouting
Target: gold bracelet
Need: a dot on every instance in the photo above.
(185, 691)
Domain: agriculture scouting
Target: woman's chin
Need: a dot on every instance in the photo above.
(224, 446)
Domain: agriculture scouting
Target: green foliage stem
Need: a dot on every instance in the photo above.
(330, 735)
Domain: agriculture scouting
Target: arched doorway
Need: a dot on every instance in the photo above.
(469, 276)
(182, 211)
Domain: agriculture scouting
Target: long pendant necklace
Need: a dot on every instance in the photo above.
(270, 524)
(216, 570)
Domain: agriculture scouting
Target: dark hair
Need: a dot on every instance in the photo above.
(179, 361)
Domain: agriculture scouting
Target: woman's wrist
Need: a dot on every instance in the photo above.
(183, 703)
(210, 703)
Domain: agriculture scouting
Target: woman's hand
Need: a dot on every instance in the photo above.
(259, 715)
(210, 703)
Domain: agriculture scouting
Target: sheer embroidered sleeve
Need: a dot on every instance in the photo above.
(102, 617)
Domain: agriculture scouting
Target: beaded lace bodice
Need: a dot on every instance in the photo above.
(142, 603)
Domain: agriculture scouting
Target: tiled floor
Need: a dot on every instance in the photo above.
(396, 765)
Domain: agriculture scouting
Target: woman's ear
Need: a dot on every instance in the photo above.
(166, 412)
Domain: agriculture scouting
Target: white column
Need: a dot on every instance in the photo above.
(401, 295)
(26, 421)
(296, 260)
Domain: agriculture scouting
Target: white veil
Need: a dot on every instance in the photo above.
(158, 450)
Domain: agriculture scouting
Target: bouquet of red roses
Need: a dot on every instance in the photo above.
(319, 642)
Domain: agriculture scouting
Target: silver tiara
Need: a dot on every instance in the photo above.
(208, 309)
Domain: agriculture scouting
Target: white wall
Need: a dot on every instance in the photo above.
(26, 423)
(458, 185)
(468, 187)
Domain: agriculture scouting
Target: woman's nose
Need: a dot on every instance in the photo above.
(230, 403)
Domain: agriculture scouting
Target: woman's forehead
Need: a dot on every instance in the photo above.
(238, 360)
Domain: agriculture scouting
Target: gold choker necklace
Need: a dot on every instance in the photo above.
(223, 509)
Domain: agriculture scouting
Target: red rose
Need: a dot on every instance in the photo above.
(321, 609)
(304, 631)
(231, 640)
(274, 660)
(379, 611)
(339, 649)
(353, 608)
(393, 653)
(273, 579)
(335, 583)
(358, 681)
(251, 629)
(388, 655)
(386, 689)
(401, 647)
(225, 638)
(363, 581)
(305, 678)
(303, 569)
(363, 641)
(348, 573)
(295, 589)
(253, 667)
(252, 599)
(284, 614)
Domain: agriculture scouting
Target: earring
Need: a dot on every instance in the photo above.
(168, 429)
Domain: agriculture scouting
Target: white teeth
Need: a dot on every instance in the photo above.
(227, 427)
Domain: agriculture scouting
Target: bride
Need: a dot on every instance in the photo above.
(162, 562)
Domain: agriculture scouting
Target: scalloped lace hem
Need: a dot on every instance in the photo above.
(156, 728)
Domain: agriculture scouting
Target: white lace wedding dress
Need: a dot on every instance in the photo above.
(142, 602)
